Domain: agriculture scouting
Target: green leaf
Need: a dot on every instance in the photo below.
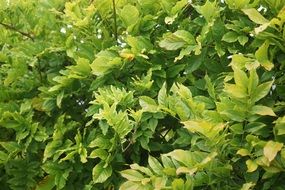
(82, 68)
(178, 184)
(155, 165)
(230, 37)
(129, 15)
(139, 44)
(162, 96)
(59, 98)
(237, 4)
(235, 91)
(182, 156)
(261, 91)
(171, 42)
(262, 110)
(100, 173)
(148, 104)
(253, 81)
(262, 56)
(237, 128)
(130, 185)
(280, 126)
(205, 128)
(46, 184)
(184, 52)
(271, 149)
(177, 40)
(210, 87)
(99, 153)
(105, 61)
(242, 40)
(243, 152)
(255, 16)
(3, 157)
(247, 186)
(10, 146)
(209, 10)
(132, 175)
(141, 169)
(186, 36)
(240, 78)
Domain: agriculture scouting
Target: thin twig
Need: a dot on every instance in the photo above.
(115, 21)
(9, 27)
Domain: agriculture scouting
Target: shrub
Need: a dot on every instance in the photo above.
(142, 94)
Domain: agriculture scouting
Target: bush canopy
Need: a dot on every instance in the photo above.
(142, 94)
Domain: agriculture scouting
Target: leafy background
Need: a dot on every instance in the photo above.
(142, 94)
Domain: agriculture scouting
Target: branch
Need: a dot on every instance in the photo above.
(9, 27)
(115, 21)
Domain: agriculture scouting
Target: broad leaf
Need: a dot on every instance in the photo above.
(271, 149)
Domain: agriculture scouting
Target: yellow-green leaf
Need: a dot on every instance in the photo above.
(271, 149)
(255, 16)
(262, 56)
(132, 175)
(251, 166)
(262, 110)
(243, 152)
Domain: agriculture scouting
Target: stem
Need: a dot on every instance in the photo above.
(9, 27)
(115, 21)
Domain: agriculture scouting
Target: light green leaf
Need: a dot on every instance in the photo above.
(186, 36)
(148, 104)
(101, 174)
(251, 166)
(255, 16)
(210, 87)
(105, 61)
(155, 165)
(171, 42)
(262, 110)
(186, 170)
(99, 153)
(261, 91)
(81, 68)
(59, 98)
(240, 78)
(177, 184)
(262, 56)
(162, 96)
(209, 10)
(139, 44)
(130, 185)
(242, 40)
(237, 4)
(141, 169)
(280, 126)
(132, 175)
(184, 52)
(129, 15)
(205, 128)
(230, 37)
(177, 40)
(235, 91)
(247, 186)
(253, 81)
(243, 152)
(271, 149)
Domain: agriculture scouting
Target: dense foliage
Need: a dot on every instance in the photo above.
(142, 94)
